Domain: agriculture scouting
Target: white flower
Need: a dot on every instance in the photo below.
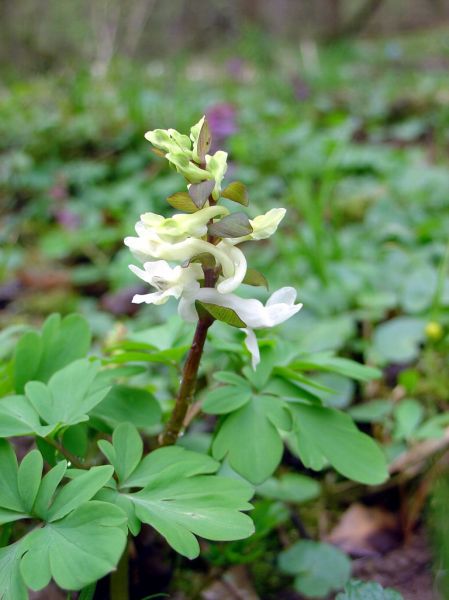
(168, 281)
(217, 167)
(180, 226)
(177, 239)
(263, 226)
(278, 308)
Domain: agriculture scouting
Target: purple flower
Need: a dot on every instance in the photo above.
(222, 120)
(67, 219)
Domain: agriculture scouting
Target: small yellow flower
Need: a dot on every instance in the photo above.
(434, 330)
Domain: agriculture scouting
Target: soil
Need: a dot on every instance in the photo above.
(407, 569)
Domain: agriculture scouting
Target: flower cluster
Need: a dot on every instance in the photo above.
(204, 241)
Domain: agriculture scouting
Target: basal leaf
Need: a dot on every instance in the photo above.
(126, 450)
(327, 435)
(12, 586)
(70, 394)
(319, 567)
(9, 489)
(38, 356)
(124, 403)
(29, 478)
(261, 453)
(48, 487)
(336, 364)
(205, 505)
(226, 399)
(78, 491)
(19, 417)
(290, 487)
(168, 464)
(181, 498)
(76, 550)
(27, 358)
(367, 590)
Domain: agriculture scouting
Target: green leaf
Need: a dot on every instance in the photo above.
(47, 489)
(408, 415)
(70, 394)
(230, 377)
(38, 356)
(9, 489)
(226, 315)
(126, 450)
(167, 357)
(233, 226)
(76, 550)
(342, 366)
(181, 498)
(78, 491)
(257, 423)
(27, 358)
(182, 201)
(324, 435)
(200, 192)
(255, 278)
(290, 487)
(12, 586)
(19, 417)
(170, 465)
(367, 590)
(237, 192)
(319, 568)
(398, 340)
(226, 399)
(29, 478)
(205, 505)
(374, 411)
(135, 405)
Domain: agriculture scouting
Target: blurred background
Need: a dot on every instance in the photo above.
(335, 109)
(52, 34)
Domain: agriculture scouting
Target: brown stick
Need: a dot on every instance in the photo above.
(188, 384)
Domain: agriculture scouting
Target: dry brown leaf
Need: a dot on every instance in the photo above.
(366, 531)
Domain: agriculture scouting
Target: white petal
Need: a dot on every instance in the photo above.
(186, 306)
(232, 279)
(252, 312)
(285, 295)
(253, 346)
(154, 298)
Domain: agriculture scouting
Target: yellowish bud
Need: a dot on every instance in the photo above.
(434, 330)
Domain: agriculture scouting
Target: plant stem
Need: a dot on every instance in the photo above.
(186, 391)
(120, 578)
(74, 460)
(188, 383)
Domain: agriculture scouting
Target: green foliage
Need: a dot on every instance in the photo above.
(318, 568)
(61, 341)
(365, 243)
(290, 487)
(180, 495)
(364, 590)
